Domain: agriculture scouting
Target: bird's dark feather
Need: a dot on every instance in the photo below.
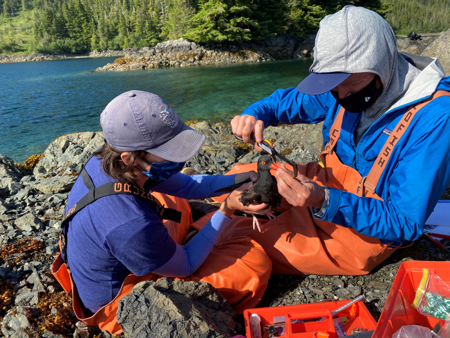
(264, 190)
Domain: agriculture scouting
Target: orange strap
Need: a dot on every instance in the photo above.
(383, 157)
(371, 180)
(335, 131)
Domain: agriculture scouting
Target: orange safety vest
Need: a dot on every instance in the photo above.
(297, 243)
(237, 267)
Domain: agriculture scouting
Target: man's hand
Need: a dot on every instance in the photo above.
(299, 191)
(244, 126)
(232, 203)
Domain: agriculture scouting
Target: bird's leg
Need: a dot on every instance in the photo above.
(256, 224)
(271, 215)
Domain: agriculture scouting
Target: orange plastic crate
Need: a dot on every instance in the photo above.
(397, 311)
(363, 318)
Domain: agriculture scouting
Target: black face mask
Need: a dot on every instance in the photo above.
(361, 100)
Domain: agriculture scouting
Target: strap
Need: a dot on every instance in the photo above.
(115, 188)
(383, 157)
(112, 188)
(335, 131)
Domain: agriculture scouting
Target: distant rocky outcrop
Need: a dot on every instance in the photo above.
(175, 309)
(405, 44)
(183, 53)
(52, 57)
(440, 48)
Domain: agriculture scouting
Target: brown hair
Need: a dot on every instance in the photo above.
(113, 165)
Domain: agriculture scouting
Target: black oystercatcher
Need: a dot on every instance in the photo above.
(264, 190)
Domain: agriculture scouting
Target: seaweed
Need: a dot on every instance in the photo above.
(7, 294)
(26, 168)
(56, 315)
(20, 250)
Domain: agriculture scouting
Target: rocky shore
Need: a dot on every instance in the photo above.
(184, 53)
(32, 201)
(53, 57)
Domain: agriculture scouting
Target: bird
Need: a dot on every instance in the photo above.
(264, 190)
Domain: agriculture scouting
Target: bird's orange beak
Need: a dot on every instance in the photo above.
(274, 166)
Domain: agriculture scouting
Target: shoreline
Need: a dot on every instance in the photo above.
(17, 58)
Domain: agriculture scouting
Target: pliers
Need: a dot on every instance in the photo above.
(430, 235)
(268, 147)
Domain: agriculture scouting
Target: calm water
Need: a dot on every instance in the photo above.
(40, 101)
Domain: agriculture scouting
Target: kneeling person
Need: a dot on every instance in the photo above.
(116, 238)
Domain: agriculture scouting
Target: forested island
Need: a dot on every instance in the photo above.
(81, 26)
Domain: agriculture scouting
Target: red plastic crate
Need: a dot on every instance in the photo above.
(397, 311)
(363, 318)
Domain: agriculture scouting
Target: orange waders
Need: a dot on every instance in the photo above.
(237, 266)
(297, 243)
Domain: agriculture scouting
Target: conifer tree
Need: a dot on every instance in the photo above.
(225, 20)
(178, 21)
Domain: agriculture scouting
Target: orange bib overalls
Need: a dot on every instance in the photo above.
(297, 243)
(237, 266)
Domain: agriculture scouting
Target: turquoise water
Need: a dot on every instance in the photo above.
(40, 101)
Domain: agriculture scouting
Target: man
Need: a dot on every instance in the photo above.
(113, 232)
(386, 158)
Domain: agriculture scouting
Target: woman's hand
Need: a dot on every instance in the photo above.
(244, 176)
(299, 191)
(232, 203)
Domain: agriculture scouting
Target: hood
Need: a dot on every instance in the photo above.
(358, 40)
(423, 85)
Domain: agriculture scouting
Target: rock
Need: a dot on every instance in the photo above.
(439, 48)
(338, 282)
(28, 223)
(54, 185)
(169, 308)
(3, 208)
(14, 322)
(9, 177)
(379, 285)
(342, 293)
(68, 152)
(36, 281)
(354, 290)
(27, 299)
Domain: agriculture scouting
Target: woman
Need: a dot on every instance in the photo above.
(113, 230)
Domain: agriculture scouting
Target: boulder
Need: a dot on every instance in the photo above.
(9, 176)
(440, 48)
(175, 309)
(28, 222)
(68, 153)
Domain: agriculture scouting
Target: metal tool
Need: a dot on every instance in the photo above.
(346, 305)
(430, 235)
(268, 147)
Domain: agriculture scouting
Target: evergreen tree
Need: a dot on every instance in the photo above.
(225, 20)
(178, 21)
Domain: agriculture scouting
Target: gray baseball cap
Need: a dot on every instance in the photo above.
(138, 120)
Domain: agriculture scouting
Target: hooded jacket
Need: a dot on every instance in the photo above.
(416, 174)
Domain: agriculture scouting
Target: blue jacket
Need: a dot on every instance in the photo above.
(418, 170)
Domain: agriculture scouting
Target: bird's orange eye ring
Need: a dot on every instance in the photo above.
(263, 162)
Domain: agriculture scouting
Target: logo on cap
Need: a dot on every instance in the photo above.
(367, 99)
(168, 116)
